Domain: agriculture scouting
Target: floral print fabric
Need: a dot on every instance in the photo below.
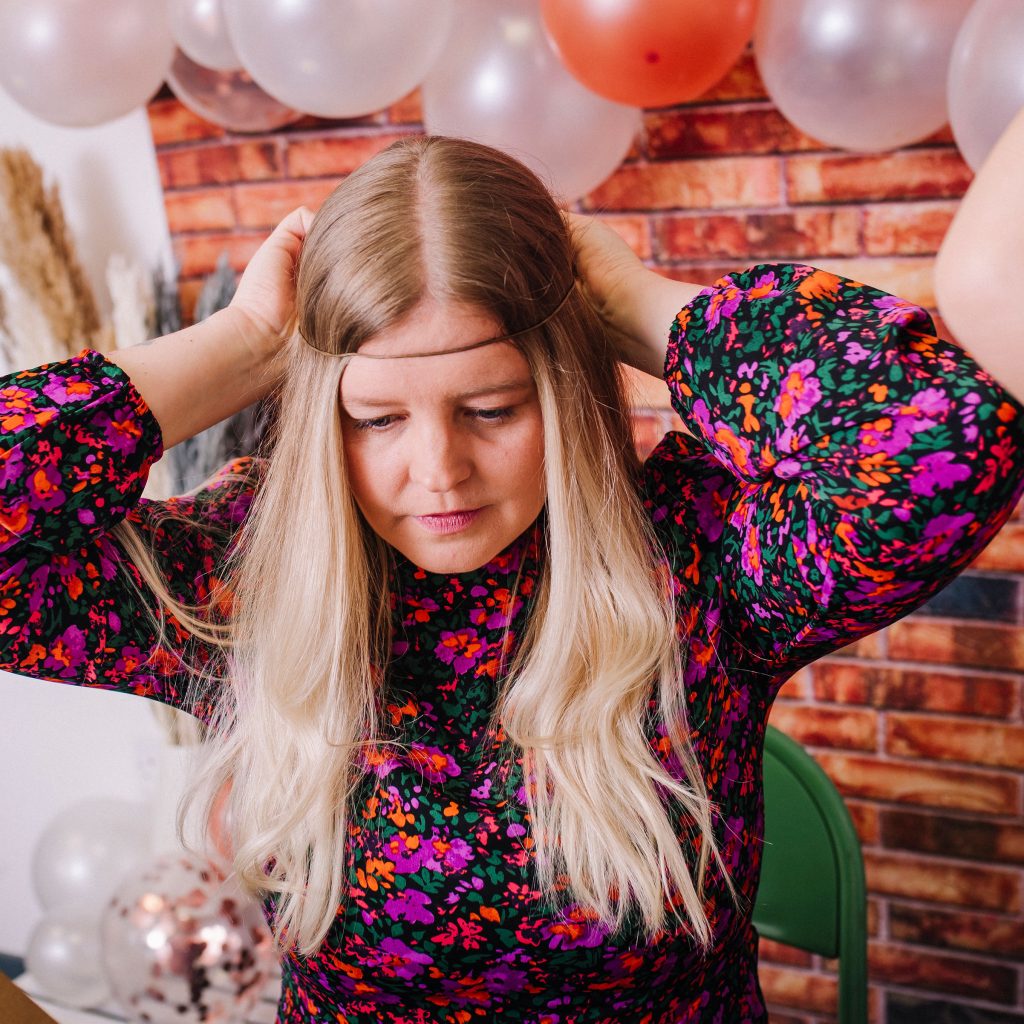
(847, 464)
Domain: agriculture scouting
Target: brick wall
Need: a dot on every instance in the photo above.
(920, 725)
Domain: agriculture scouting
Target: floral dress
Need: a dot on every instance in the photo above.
(845, 465)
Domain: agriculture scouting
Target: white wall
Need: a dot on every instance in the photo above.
(59, 744)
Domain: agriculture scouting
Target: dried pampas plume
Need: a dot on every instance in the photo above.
(38, 251)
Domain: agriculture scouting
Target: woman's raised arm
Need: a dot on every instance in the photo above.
(201, 375)
(977, 273)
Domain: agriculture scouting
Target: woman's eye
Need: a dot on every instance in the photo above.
(377, 423)
(492, 415)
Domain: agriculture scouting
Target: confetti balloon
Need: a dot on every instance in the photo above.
(182, 943)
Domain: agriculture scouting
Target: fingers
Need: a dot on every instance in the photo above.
(297, 223)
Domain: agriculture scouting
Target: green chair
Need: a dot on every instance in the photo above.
(812, 892)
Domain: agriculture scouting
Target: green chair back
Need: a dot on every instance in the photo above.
(812, 893)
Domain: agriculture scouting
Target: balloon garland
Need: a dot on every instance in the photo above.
(528, 75)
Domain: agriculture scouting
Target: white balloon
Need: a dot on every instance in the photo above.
(986, 76)
(338, 58)
(64, 958)
(86, 851)
(199, 28)
(859, 74)
(75, 63)
(499, 82)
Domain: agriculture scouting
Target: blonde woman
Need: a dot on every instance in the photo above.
(488, 694)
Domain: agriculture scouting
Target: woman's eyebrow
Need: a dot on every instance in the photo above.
(502, 387)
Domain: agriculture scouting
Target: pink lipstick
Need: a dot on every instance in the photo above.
(448, 522)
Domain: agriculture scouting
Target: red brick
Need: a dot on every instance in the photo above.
(957, 643)
(720, 131)
(955, 739)
(915, 968)
(333, 155)
(171, 121)
(773, 236)
(914, 689)
(634, 230)
(903, 174)
(209, 209)
(1005, 551)
(802, 990)
(219, 165)
(777, 953)
(797, 687)
(906, 229)
(922, 878)
(264, 205)
(198, 254)
(865, 821)
(775, 1017)
(900, 782)
(984, 841)
(408, 110)
(741, 82)
(690, 184)
(990, 934)
(871, 646)
(910, 277)
(827, 727)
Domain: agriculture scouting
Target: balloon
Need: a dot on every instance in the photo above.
(75, 63)
(649, 53)
(338, 58)
(84, 853)
(498, 82)
(182, 944)
(228, 98)
(199, 28)
(986, 76)
(859, 74)
(63, 957)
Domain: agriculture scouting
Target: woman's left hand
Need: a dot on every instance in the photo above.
(636, 304)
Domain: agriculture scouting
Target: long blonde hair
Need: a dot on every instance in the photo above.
(303, 639)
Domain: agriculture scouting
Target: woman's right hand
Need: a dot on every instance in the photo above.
(265, 298)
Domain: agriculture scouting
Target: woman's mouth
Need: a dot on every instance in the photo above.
(448, 522)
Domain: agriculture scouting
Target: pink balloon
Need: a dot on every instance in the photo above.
(76, 63)
(859, 74)
(499, 82)
(228, 98)
(986, 76)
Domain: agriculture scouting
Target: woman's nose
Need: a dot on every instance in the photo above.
(439, 461)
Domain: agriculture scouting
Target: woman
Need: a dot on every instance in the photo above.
(489, 695)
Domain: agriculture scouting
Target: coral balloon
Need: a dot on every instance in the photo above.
(228, 98)
(499, 82)
(79, 64)
(649, 53)
(859, 74)
(183, 945)
(199, 28)
(986, 76)
(338, 58)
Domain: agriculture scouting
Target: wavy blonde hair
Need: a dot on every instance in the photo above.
(307, 632)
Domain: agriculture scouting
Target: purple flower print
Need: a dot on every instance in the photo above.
(856, 353)
(405, 852)
(446, 855)
(724, 302)
(409, 905)
(800, 392)
(938, 471)
(435, 764)
(44, 491)
(61, 390)
(897, 311)
(397, 959)
(576, 930)
(12, 465)
(460, 649)
(121, 431)
(67, 653)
